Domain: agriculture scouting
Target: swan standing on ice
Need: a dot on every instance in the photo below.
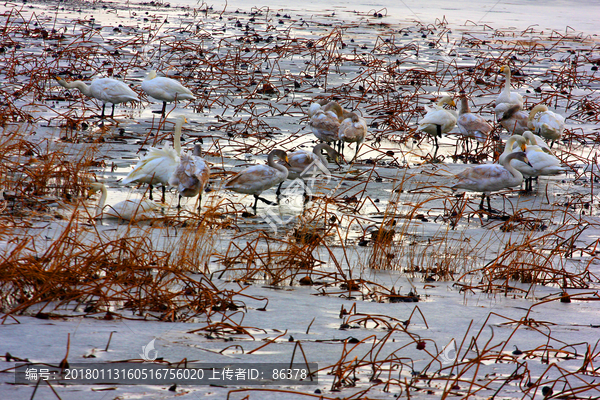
(545, 123)
(157, 166)
(165, 89)
(325, 120)
(353, 129)
(438, 120)
(471, 125)
(542, 162)
(258, 178)
(304, 164)
(191, 176)
(486, 178)
(512, 118)
(509, 107)
(508, 96)
(107, 90)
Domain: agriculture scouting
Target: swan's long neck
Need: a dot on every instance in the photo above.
(464, 106)
(507, 80)
(280, 167)
(336, 108)
(318, 151)
(101, 202)
(513, 171)
(536, 110)
(510, 143)
(177, 136)
(83, 88)
(530, 138)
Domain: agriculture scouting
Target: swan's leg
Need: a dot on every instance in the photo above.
(150, 187)
(164, 190)
(200, 201)
(278, 192)
(265, 201)
(112, 113)
(164, 108)
(356, 154)
(489, 205)
(255, 203)
(103, 107)
(307, 197)
(482, 200)
(179, 202)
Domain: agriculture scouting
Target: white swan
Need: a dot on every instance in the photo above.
(512, 118)
(325, 120)
(546, 123)
(353, 129)
(507, 96)
(191, 176)
(536, 140)
(509, 147)
(107, 90)
(472, 125)
(165, 89)
(305, 164)
(488, 178)
(526, 169)
(126, 209)
(438, 120)
(542, 162)
(157, 166)
(258, 178)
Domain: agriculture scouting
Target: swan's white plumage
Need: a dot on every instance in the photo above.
(353, 129)
(546, 123)
(437, 115)
(107, 90)
(157, 166)
(535, 140)
(541, 163)
(541, 158)
(165, 89)
(438, 120)
(127, 209)
(508, 96)
(486, 178)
